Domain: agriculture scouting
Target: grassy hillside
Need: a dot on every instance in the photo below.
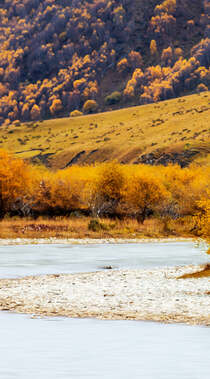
(169, 131)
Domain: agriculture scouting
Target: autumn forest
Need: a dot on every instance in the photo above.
(67, 58)
(108, 190)
(71, 56)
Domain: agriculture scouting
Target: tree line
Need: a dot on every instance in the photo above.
(105, 190)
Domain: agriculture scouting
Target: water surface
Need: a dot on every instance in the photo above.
(73, 348)
(45, 259)
(61, 348)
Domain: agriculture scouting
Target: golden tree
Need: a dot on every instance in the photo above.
(15, 182)
(107, 189)
(35, 112)
(56, 107)
(90, 106)
(143, 194)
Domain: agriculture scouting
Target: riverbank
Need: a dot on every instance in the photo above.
(86, 241)
(156, 295)
(87, 228)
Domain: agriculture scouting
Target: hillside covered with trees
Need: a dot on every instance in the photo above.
(69, 56)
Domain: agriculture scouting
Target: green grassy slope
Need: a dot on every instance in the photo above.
(170, 131)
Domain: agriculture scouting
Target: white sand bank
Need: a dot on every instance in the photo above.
(126, 294)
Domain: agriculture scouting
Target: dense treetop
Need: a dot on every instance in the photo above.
(65, 55)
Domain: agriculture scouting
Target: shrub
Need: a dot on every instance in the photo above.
(16, 123)
(90, 106)
(76, 113)
(201, 88)
(95, 225)
(114, 98)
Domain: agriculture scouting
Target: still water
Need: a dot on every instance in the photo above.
(72, 348)
(46, 259)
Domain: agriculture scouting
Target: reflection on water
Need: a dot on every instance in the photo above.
(60, 348)
(40, 259)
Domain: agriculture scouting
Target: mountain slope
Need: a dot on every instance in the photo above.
(97, 55)
(175, 131)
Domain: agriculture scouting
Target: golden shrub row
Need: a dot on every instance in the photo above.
(107, 189)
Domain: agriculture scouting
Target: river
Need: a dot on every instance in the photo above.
(75, 348)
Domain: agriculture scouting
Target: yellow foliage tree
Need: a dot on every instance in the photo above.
(15, 183)
(90, 106)
(143, 194)
(107, 189)
(153, 48)
(56, 106)
(187, 187)
(202, 217)
(122, 65)
(35, 112)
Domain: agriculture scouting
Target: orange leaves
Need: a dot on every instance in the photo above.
(3, 90)
(163, 25)
(160, 83)
(15, 181)
(168, 6)
(153, 48)
(119, 14)
(133, 61)
(35, 112)
(187, 186)
(110, 182)
(202, 217)
(79, 84)
(122, 65)
(84, 50)
(76, 113)
(134, 84)
(91, 90)
(56, 107)
(63, 191)
(144, 191)
(90, 106)
(167, 57)
(108, 189)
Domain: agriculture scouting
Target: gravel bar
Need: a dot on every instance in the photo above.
(157, 295)
(87, 241)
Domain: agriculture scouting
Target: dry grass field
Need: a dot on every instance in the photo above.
(79, 227)
(170, 131)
